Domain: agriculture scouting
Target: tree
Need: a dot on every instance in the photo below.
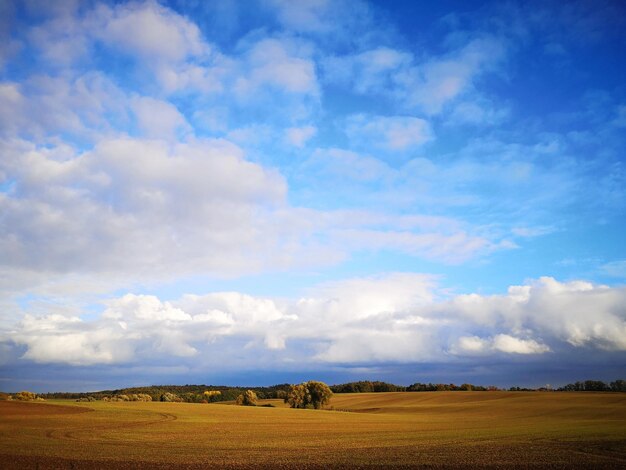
(618, 386)
(170, 397)
(319, 393)
(298, 396)
(312, 393)
(248, 398)
(25, 395)
(211, 395)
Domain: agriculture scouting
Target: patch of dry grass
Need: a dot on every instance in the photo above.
(382, 429)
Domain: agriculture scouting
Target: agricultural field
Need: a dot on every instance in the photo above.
(432, 429)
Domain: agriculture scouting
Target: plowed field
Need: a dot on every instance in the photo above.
(438, 429)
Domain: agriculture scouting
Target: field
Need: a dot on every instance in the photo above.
(432, 429)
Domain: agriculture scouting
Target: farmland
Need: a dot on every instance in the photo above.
(531, 429)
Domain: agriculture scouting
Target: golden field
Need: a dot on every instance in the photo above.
(431, 429)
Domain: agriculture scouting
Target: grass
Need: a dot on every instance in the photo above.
(522, 429)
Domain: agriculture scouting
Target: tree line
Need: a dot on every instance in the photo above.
(595, 386)
(213, 393)
(366, 386)
(377, 386)
(179, 393)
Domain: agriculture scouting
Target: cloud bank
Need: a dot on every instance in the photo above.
(397, 318)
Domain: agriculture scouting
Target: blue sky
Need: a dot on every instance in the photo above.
(268, 191)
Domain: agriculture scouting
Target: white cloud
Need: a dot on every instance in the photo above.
(305, 15)
(345, 164)
(11, 102)
(337, 20)
(280, 64)
(428, 84)
(478, 112)
(63, 38)
(145, 210)
(366, 72)
(452, 248)
(576, 312)
(299, 136)
(88, 106)
(431, 85)
(148, 30)
(400, 317)
(472, 344)
(530, 232)
(159, 119)
(59, 339)
(395, 133)
(137, 203)
(615, 269)
(510, 344)
(167, 48)
(252, 135)
(499, 343)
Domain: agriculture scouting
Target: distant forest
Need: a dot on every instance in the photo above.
(197, 393)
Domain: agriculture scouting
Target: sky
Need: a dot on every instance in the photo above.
(268, 191)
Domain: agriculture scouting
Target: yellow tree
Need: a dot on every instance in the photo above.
(248, 398)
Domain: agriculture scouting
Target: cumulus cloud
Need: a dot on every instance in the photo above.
(158, 33)
(86, 107)
(135, 208)
(136, 202)
(280, 64)
(502, 342)
(401, 317)
(56, 338)
(576, 312)
(159, 119)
